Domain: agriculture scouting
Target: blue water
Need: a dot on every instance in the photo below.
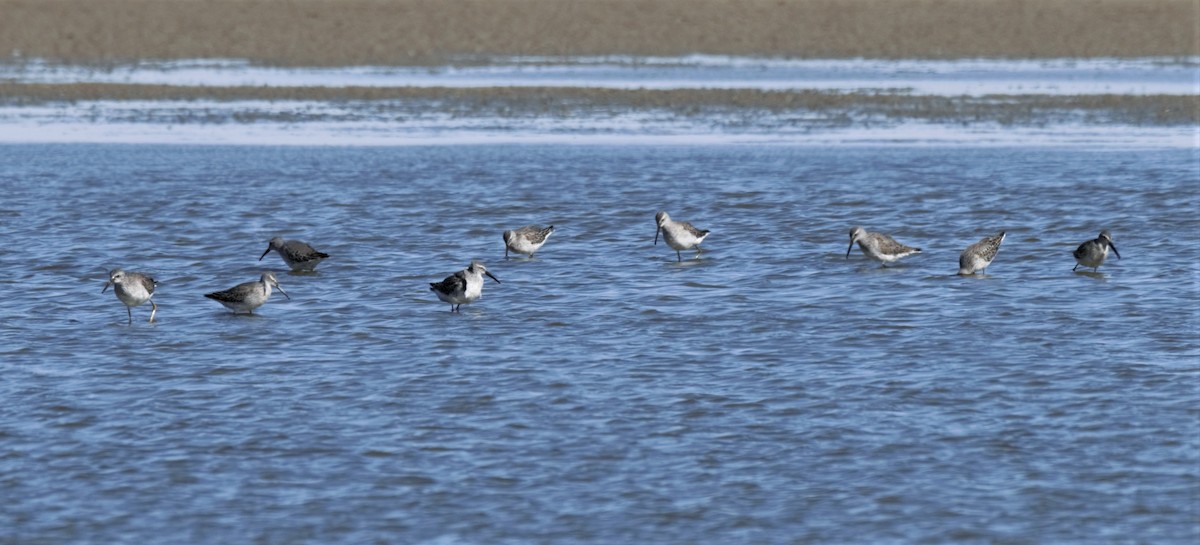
(771, 391)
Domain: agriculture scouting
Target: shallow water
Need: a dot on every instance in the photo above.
(974, 77)
(307, 123)
(986, 102)
(771, 391)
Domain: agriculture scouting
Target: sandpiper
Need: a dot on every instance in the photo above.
(462, 287)
(133, 289)
(1093, 252)
(526, 240)
(978, 256)
(249, 295)
(298, 255)
(679, 235)
(878, 246)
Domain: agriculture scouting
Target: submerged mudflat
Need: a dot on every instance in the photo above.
(1149, 101)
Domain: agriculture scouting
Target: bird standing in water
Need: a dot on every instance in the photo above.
(879, 246)
(298, 255)
(462, 287)
(1093, 252)
(978, 256)
(526, 240)
(248, 296)
(133, 289)
(679, 235)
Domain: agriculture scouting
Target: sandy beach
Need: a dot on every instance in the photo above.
(415, 32)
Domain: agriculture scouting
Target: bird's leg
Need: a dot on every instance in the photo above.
(130, 312)
(678, 256)
(1075, 267)
(153, 309)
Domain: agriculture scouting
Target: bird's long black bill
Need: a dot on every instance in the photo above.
(105, 288)
(493, 277)
(656, 230)
(848, 250)
(260, 258)
(1114, 249)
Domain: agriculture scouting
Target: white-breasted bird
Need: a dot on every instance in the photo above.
(679, 235)
(526, 240)
(462, 287)
(133, 289)
(879, 246)
(978, 256)
(248, 296)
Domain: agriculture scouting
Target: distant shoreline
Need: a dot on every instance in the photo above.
(431, 32)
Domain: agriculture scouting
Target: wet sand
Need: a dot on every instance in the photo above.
(414, 32)
(566, 102)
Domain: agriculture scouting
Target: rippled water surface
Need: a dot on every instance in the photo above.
(770, 391)
(1153, 75)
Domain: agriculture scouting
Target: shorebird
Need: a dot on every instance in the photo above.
(878, 246)
(462, 287)
(133, 289)
(978, 256)
(679, 235)
(249, 295)
(298, 255)
(526, 240)
(1093, 252)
